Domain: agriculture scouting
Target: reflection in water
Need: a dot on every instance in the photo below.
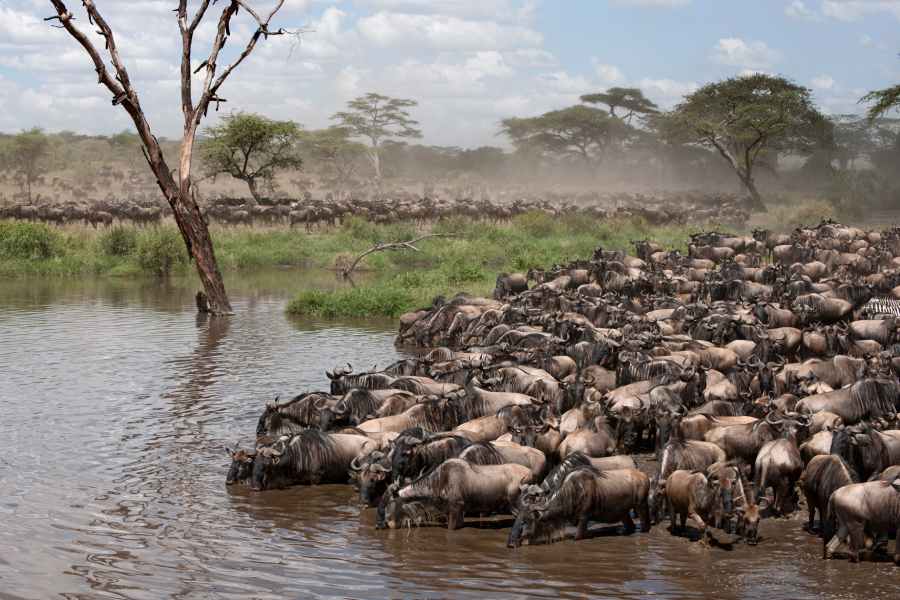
(119, 401)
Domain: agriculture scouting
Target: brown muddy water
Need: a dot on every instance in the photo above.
(117, 405)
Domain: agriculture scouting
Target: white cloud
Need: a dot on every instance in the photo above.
(531, 58)
(443, 32)
(667, 92)
(823, 82)
(853, 10)
(608, 74)
(736, 52)
(496, 10)
(653, 3)
(798, 10)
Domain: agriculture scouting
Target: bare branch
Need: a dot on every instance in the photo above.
(382, 246)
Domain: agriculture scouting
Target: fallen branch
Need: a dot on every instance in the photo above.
(381, 246)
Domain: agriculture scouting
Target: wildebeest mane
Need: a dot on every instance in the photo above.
(357, 405)
(309, 452)
(573, 462)
(482, 454)
(288, 417)
(874, 398)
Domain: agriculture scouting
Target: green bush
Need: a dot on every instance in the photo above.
(160, 249)
(118, 241)
(380, 300)
(33, 241)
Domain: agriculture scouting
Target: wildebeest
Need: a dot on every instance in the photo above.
(584, 494)
(307, 457)
(822, 477)
(866, 399)
(860, 508)
(462, 488)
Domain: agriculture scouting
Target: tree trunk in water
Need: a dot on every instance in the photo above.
(756, 203)
(199, 243)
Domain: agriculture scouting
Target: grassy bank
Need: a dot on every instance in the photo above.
(400, 281)
(471, 261)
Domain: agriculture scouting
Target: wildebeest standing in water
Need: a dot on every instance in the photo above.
(309, 457)
(585, 494)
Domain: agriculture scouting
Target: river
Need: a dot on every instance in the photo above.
(118, 403)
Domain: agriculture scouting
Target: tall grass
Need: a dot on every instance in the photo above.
(467, 261)
(470, 261)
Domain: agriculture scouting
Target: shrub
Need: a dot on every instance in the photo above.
(160, 249)
(118, 241)
(375, 300)
(19, 239)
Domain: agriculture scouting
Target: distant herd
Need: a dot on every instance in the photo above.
(749, 379)
(384, 207)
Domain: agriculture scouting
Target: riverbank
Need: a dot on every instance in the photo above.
(396, 281)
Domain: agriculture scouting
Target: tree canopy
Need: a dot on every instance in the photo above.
(749, 120)
(631, 100)
(251, 148)
(581, 131)
(26, 155)
(882, 101)
(377, 118)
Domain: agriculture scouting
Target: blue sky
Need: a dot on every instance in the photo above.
(469, 63)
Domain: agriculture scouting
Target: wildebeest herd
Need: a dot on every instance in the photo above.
(740, 376)
(387, 207)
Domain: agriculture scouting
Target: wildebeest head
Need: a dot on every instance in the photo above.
(749, 516)
(532, 503)
(241, 466)
(265, 465)
(372, 475)
(335, 375)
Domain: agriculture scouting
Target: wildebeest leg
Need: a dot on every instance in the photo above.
(629, 524)
(644, 513)
(581, 527)
(704, 530)
(455, 516)
(671, 511)
(897, 547)
(857, 540)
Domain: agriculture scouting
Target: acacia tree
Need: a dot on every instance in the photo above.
(335, 153)
(113, 75)
(251, 148)
(748, 121)
(581, 131)
(631, 100)
(378, 118)
(27, 151)
(882, 101)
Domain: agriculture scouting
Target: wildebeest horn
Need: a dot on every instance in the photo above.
(272, 405)
(321, 402)
(354, 464)
(229, 451)
(380, 467)
(771, 421)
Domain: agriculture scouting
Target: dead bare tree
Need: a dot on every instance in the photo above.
(178, 193)
(382, 246)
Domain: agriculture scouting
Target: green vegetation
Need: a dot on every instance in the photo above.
(393, 281)
(251, 148)
(471, 261)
